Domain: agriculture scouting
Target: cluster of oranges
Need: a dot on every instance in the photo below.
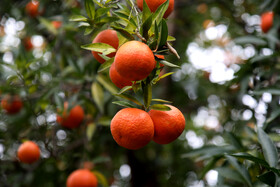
(131, 128)
(34, 10)
(134, 128)
(29, 152)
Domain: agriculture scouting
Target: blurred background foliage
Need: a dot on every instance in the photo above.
(226, 88)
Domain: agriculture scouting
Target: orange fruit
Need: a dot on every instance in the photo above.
(118, 80)
(168, 125)
(109, 37)
(132, 128)
(266, 21)
(11, 104)
(27, 44)
(32, 8)
(154, 4)
(71, 119)
(81, 178)
(134, 61)
(56, 24)
(28, 152)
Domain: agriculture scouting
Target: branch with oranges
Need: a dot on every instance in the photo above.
(131, 43)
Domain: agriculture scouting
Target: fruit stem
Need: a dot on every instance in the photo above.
(147, 90)
(139, 36)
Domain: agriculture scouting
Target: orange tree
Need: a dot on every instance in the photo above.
(47, 82)
(248, 154)
(55, 94)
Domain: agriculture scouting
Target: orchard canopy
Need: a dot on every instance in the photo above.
(139, 93)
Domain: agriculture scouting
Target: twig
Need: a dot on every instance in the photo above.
(139, 36)
(137, 14)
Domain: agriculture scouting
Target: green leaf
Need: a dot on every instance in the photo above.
(147, 89)
(83, 24)
(273, 116)
(251, 158)
(88, 30)
(127, 18)
(48, 25)
(99, 47)
(268, 178)
(98, 95)
(123, 32)
(158, 15)
(163, 33)
(210, 165)
(101, 12)
(234, 140)
(101, 179)
(265, 4)
(106, 58)
(163, 76)
(160, 107)
(261, 58)
(273, 91)
(124, 104)
(77, 18)
(146, 27)
(101, 21)
(108, 1)
(146, 13)
(166, 63)
(244, 174)
(106, 65)
(124, 89)
(130, 98)
(90, 9)
(90, 130)
(209, 151)
(161, 100)
(107, 84)
(156, 31)
(269, 149)
(101, 159)
(229, 173)
(59, 102)
(244, 40)
(171, 39)
(99, 4)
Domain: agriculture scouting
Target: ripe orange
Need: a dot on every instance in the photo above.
(71, 119)
(32, 8)
(134, 61)
(169, 125)
(27, 44)
(81, 178)
(266, 21)
(56, 24)
(154, 4)
(132, 128)
(11, 104)
(108, 37)
(118, 80)
(28, 152)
